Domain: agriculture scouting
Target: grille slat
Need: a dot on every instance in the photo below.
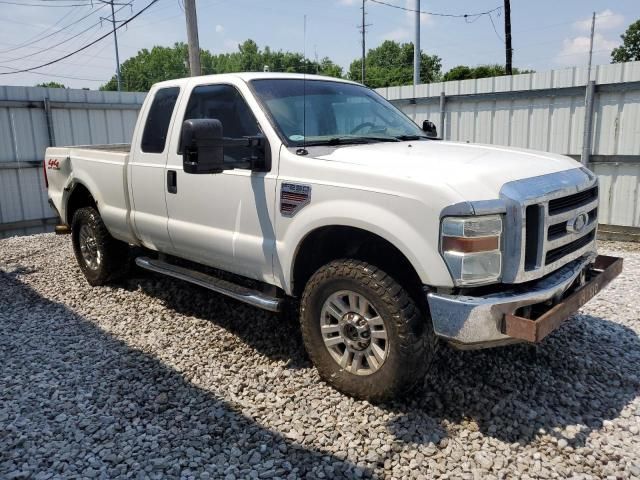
(557, 230)
(571, 202)
(557, 253)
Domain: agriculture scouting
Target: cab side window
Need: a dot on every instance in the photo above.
(156, 127)
(224, 102)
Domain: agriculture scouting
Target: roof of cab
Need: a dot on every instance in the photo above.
(248, 76)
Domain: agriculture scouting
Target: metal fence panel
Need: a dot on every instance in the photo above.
(76, 117)
(546, 111)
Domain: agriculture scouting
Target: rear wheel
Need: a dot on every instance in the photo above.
(101, 257)
(364, 332)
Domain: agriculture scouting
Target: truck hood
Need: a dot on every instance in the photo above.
(475, 171)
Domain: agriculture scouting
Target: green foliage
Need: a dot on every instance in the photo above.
(463, 72)
(151, 66)
(165, 63)
(629, 51)
(391, 64)
(51, 85)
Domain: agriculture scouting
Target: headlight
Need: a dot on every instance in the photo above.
(470, 247)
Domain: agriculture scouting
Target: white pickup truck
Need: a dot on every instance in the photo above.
(269, 187)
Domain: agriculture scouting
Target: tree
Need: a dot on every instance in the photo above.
(629, 51)
(463, 72)
(51, 85)
(151, 66)
(391, 64)
(165, 63)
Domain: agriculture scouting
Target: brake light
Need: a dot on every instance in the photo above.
(44, 169)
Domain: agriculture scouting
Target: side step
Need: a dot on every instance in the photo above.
(218, 285)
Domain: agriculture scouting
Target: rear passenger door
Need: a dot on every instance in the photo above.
(146, 169)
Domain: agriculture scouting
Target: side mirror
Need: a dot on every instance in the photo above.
(430, 129)
(202, 146)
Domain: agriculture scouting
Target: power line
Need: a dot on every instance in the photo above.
(434, 14)
(61, 76)
(15, 59)
(88, 4)
(26, 42)
(153, 2)
(495, 29)
(42, 37)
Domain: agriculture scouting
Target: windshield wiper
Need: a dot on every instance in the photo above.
(346, 140)
(405, 138)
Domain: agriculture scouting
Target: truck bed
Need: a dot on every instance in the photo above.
(109, 147)
(101, 169)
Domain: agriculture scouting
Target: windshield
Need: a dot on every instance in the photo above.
(335, 113)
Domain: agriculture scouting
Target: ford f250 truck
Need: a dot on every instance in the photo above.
(281, 190)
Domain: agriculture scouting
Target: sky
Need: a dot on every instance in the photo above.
(546, 34)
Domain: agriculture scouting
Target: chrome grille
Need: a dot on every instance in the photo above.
(552, 238)
(538, 212)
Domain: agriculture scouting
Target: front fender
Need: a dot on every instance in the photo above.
(416, 240)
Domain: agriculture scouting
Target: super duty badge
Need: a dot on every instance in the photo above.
(293, 196)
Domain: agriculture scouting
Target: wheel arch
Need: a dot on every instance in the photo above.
(343, 241)
(79, 196)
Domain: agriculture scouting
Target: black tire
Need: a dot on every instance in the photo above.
(112, 253)
(411, 341)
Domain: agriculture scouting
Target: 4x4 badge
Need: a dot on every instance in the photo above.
(293, 196)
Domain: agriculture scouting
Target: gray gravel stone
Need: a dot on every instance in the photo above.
(154, 378)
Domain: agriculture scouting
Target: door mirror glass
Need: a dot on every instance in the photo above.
(429, 128)
(202, 146)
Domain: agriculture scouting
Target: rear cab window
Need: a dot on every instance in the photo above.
(154, 136)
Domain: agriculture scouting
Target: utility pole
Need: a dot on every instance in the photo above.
(192, 37)
(590, 90)
(507, 38)
(364, 52)
(593, 29)
(416, 49)
(115, 39)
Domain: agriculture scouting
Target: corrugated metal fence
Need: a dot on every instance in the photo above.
(546, 111)
(32, 118)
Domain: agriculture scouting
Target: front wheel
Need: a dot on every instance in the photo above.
(101, 257)
(363, 331)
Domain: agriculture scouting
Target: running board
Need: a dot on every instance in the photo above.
(218, 285)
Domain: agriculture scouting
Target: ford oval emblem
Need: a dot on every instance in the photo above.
(578, 224)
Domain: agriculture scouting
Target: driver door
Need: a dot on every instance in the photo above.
(223, 220)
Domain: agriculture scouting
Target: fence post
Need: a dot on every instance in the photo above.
(48, 119)
(587, 138)
(443, 113)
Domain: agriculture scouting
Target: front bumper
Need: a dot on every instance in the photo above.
(478, 322)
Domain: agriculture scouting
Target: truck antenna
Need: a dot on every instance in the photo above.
(303, 150)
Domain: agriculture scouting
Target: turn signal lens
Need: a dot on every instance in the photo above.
(469, 245)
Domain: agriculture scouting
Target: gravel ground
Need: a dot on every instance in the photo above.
(155, 378)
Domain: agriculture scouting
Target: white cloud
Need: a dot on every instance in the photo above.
(575, 50)
(605, 20)
(219, 28)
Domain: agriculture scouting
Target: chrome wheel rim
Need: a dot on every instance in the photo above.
(89, 247)
(354, 333)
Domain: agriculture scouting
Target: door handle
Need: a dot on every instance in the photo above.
(172, 181)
